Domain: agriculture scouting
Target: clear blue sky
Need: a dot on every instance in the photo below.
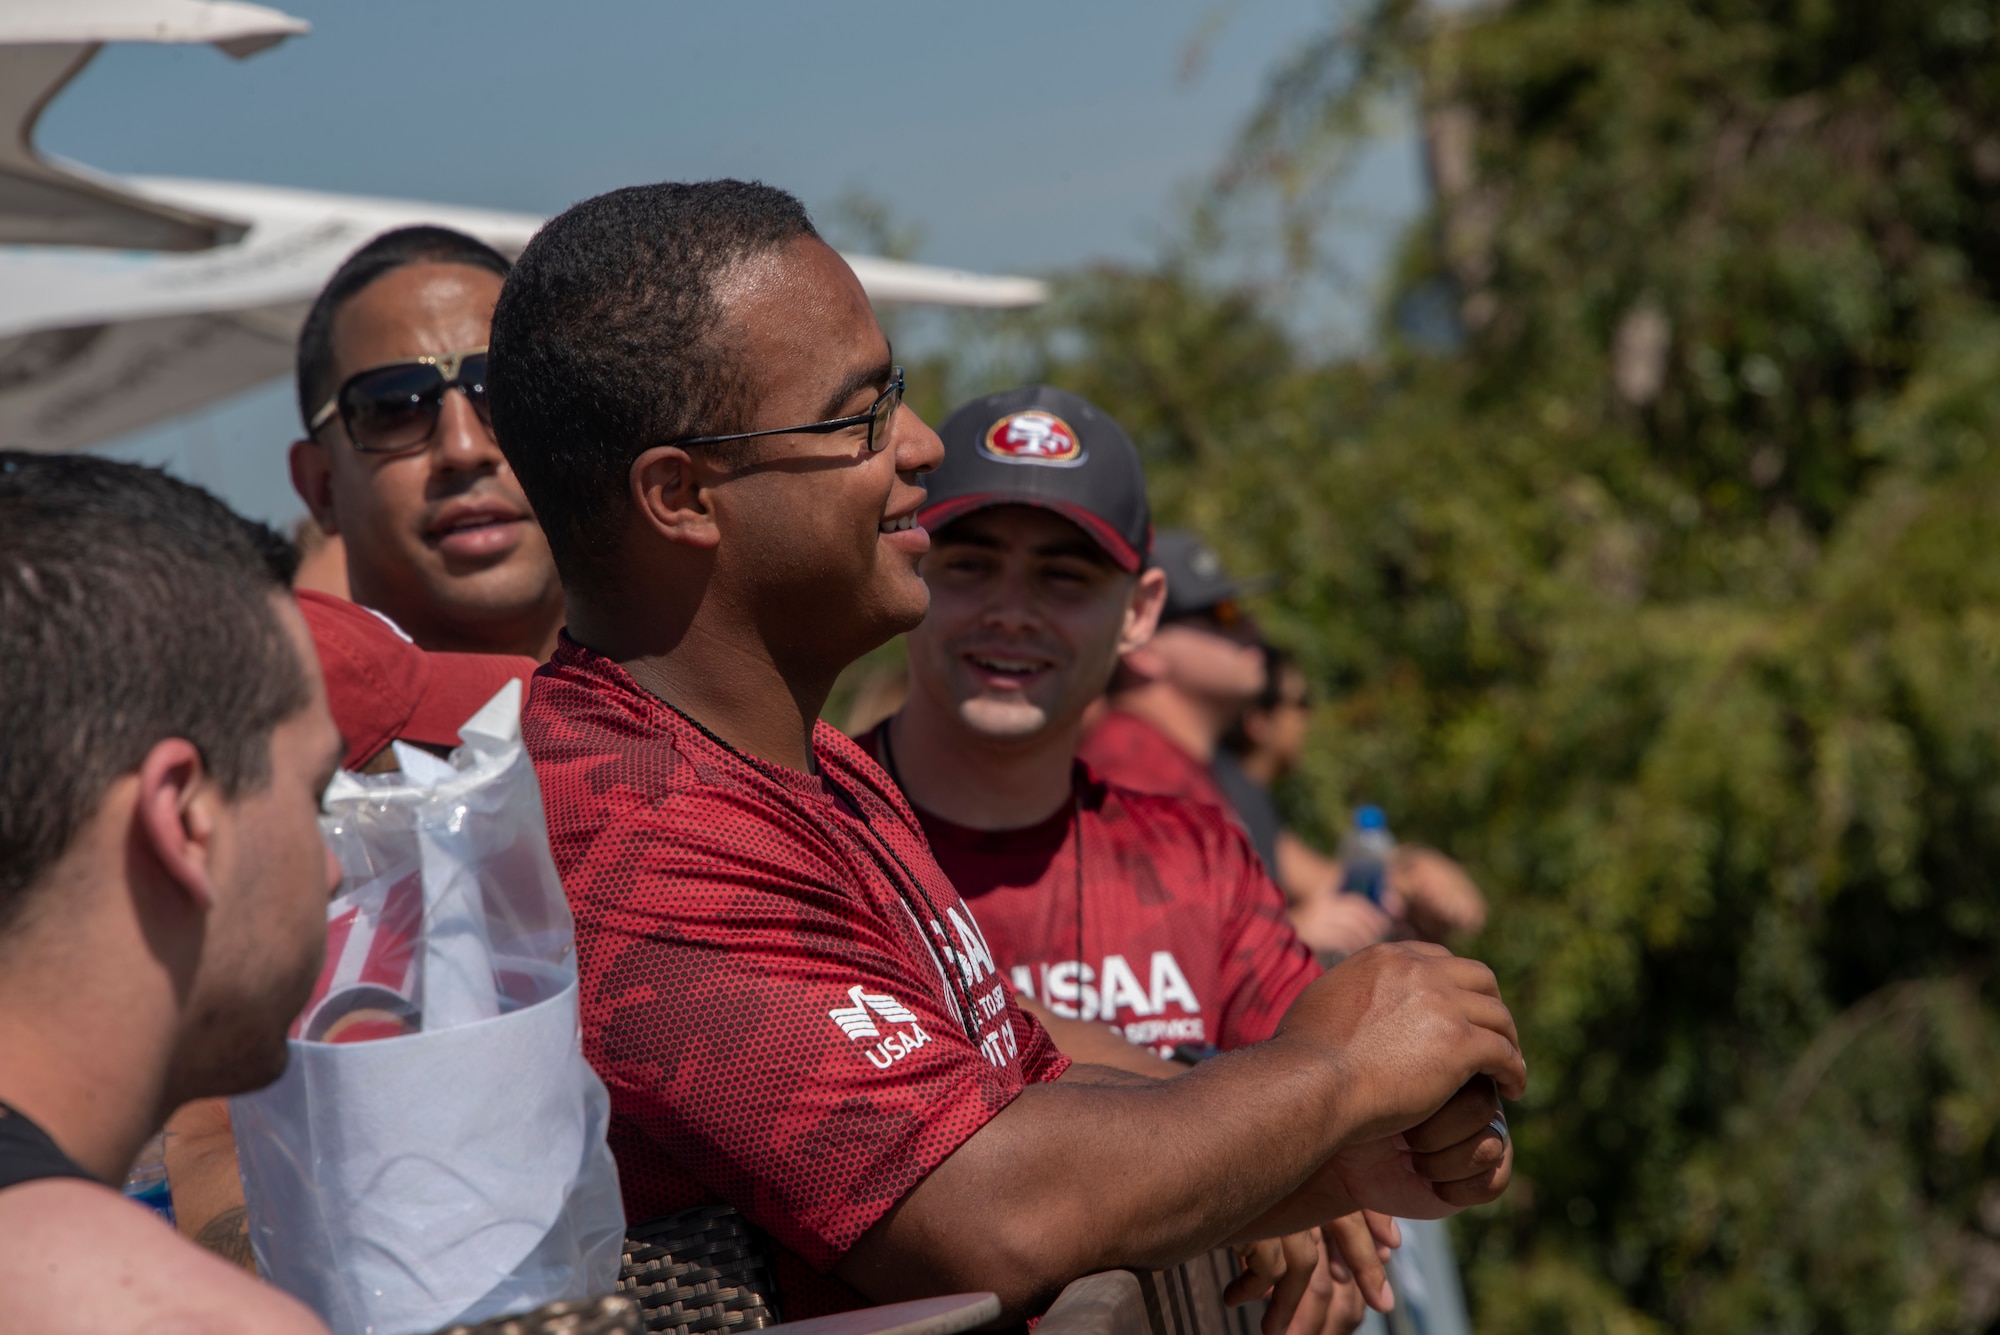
(1026, 137)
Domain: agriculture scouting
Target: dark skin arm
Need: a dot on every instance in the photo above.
(1072, 1178)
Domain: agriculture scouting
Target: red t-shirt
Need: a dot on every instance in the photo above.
(1147, 913)
(763, 957)
(1127, 750)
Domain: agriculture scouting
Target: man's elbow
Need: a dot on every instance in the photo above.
(1018, 1257)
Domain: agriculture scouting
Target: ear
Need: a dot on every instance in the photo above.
(1145, 663)
(671, 492)
(1142, 613)
(177, 814)
(312, 478)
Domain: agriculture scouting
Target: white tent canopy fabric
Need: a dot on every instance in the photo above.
(46, 43)
(94, 343)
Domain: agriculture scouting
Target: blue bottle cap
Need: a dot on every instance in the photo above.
(1369, 817)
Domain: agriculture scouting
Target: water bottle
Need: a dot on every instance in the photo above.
(1364, 854)
(147, 1182)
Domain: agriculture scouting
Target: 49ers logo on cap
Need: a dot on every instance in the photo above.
(1033, 437)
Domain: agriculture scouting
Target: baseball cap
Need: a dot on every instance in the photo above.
(1196, 579)
(382, 687)
(1047, 447)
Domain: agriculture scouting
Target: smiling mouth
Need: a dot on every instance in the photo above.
(471, 524)
(1001, 665)
(902, 525)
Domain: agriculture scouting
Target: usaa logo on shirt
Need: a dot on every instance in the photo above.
(1033, 436)
(859, 1020)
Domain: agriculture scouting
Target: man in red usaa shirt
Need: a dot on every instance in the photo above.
(793, 1009)
(1135, 918)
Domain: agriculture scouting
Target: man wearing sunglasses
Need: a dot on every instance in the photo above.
(791, 1006)
(1173, 701)
(398, 460)
(1175, 696)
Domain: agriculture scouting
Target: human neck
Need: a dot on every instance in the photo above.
(721, 675)
(971, 779)
(1189, 723)
(90, 1069)
(530, 632)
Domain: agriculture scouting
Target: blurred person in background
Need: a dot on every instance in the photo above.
(1174, 700)
(1428, 893)
(1132, 924)
(164, 740)
(794, 1011)
(398, 462)
(381, 689)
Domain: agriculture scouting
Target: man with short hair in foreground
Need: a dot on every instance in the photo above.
(792, 1008)
(398, 463)
(164, 740)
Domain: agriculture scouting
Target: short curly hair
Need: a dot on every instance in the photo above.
(605, 344)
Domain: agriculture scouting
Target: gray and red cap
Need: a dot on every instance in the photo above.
(1050, 448)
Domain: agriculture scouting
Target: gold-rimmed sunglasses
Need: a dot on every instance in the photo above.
(393, 409)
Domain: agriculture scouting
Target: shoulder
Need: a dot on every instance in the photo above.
(1164, 817)
(82, 1258)
(1186, 838)
(851, 760)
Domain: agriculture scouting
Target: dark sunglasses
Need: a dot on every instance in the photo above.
(878, 417)
(394, 409)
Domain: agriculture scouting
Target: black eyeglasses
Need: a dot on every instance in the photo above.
(877, 417)
(394, 409)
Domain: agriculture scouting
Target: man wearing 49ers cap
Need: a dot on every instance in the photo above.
(1145, 913)
(791, 1006)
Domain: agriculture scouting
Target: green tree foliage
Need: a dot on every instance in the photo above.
(1668, 598)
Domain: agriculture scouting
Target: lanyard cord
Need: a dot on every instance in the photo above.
(961, 993)
(954, 974)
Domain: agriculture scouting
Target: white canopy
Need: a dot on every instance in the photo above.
(96, 343)
(46, 43)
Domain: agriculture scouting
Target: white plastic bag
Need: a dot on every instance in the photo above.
(452, 1167)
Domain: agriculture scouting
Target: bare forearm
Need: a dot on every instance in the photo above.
(1073, 1178)
(1101, 1045)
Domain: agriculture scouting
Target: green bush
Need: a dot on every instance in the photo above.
(1668, 598)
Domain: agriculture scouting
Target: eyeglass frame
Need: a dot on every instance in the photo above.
(897, 386)
(449, 364)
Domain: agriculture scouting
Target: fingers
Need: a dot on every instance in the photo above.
(1346, 1311)
(1263, 1261)
(1294, 1307)
(1352, 1240)
(1464, 1114)
(1473, 1170)
(1468, 974)
(1387, 1232)
(1476, 1156)
(1489, 1053)
(1471, 1191)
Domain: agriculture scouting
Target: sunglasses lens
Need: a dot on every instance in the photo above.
(472, 379)
(392, 409)
(885, 413)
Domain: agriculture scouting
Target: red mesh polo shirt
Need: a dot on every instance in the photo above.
(1127, 750)
(792, 1008)
(1147, 913)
